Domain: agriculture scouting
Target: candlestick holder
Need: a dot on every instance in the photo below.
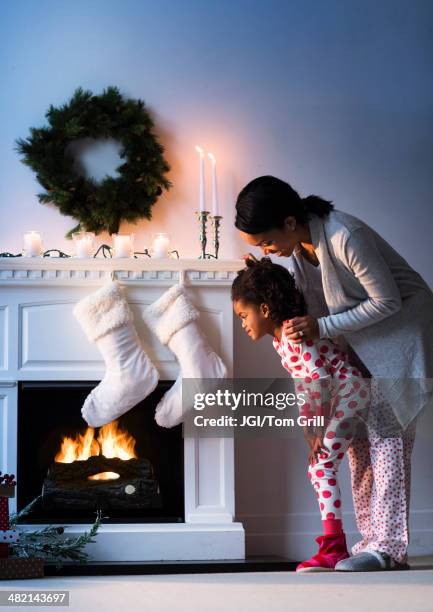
(216, 223)
(202, 216)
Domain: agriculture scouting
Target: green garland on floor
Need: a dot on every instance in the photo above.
(98, 206)
(49, 544)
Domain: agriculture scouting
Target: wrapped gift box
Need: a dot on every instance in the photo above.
(14, 569)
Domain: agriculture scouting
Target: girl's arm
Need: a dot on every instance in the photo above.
(315, 383)
(363, 258)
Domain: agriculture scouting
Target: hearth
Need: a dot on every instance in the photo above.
(131, 468)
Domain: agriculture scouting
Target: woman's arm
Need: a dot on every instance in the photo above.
(362, 257)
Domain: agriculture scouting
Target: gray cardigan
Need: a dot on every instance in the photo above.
(379, 304)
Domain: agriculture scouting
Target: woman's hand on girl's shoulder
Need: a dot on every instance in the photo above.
(299, 329)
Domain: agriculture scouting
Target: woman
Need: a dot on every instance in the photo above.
(361, 291)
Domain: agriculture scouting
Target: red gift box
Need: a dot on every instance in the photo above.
(7, 490)
(13, 569)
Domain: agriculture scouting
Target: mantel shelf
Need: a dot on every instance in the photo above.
(58, 269)
(144, 264)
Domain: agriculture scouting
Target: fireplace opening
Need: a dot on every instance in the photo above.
(131, 468)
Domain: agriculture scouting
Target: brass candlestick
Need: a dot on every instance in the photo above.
(202, 219)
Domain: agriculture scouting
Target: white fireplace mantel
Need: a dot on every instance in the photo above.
(41, 340)
(59, 270)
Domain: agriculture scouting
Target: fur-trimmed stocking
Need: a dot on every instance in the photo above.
(107, 320)
(173, 318)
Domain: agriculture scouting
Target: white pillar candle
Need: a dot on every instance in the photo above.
(161, 244)
(32, 244)
(83, 244)
(123, 245)
(215, 203)
(202, 200)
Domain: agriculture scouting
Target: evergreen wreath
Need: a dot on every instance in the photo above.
(98, 206)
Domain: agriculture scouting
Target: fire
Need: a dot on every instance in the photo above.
(104, 476)
(112, 442)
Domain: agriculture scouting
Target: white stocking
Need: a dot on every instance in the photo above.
(174, 320)
(107, 320)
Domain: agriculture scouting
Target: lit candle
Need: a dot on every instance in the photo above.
(161, 244)
(215, 203)
(83, 244)
(123, 245)
(32, 244)
(201, 188)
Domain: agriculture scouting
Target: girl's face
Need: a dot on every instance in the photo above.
(255, 319)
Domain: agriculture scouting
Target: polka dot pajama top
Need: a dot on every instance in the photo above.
(331, 387)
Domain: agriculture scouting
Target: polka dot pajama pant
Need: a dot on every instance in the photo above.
(379, 462)
(351, 404)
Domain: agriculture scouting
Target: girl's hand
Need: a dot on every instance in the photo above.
(301, 328)
(309, 436)
(316, 449)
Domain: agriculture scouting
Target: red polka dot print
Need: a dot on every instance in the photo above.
(341, 403)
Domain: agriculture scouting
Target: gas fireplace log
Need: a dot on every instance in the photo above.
(68, 486)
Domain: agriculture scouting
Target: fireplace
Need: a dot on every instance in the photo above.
(47, 367)
(131, 469)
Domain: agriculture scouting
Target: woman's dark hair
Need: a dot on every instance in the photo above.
(267, 201)
(263, 282)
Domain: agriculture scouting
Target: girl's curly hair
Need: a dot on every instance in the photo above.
(264, 282)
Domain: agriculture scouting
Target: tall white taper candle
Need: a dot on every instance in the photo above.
(215, 203)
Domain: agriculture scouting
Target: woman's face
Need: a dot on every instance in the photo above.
(255, 319)
(279, 241)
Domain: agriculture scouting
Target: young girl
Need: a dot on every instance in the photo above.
(264, 295)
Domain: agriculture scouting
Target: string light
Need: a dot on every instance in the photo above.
(107, 252)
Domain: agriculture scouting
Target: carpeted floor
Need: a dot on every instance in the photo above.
(257, 591)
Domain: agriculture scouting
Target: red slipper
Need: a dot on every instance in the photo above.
(332, 549)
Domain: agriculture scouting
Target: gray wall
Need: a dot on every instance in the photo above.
(335, 97)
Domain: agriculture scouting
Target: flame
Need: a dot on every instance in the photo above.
(199, 150)
(212, 157)
(112, 442)
(116, 443)
(104, 476)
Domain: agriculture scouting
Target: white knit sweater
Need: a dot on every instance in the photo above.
(382, 307)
